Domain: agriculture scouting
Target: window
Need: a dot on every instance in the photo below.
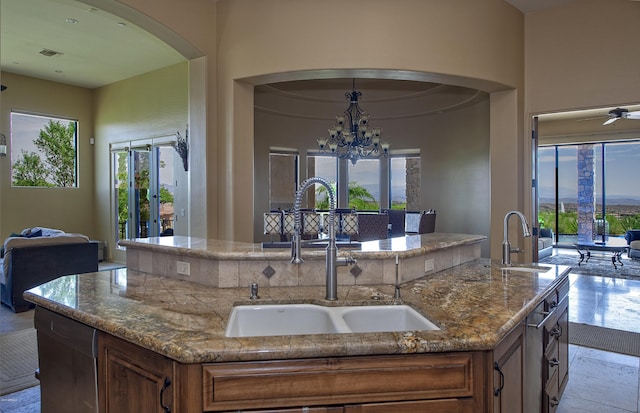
(364, 185)
(547, 188)
(283, 179)
(43, 151)
(404, 182)
(325, 167)
(615, 196)
(373, 183)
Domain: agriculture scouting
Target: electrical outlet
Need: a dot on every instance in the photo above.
(429, 265)
(183, 268)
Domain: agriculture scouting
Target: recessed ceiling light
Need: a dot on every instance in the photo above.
(71, 20)
(121, 24)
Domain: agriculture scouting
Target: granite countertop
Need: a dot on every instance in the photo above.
(475, 305)
(404, 247)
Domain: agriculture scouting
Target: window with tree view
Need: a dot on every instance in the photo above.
(43, 151)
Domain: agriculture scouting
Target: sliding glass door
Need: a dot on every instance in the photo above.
(597, 196)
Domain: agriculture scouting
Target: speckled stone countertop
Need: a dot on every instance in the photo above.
(475, 304)
(407, 246)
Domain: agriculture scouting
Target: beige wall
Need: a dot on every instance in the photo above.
(152, 105)
(475, 44)
(191, 26)
(69, 209)
(454, 148)
(582, 55)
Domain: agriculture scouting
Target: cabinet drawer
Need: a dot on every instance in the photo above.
(551, 323)
(563, 289)
(551, 358)
(551, 301)
(314, 382)
(551, 393)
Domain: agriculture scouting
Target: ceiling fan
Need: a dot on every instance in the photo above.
(620, 113)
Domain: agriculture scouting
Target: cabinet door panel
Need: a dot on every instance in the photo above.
(563, 351)
(132, 379)
(508, 373)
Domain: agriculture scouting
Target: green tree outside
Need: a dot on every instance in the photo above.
(359, 198)
(141, 181)
(55, 163)
(568, 222)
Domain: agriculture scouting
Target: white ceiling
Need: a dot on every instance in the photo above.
(97, 50)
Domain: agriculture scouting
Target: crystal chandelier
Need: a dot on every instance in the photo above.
(351, 137)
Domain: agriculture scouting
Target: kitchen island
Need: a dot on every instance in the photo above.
(226, 264)
(171, 333)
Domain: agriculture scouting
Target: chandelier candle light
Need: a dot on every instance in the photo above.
(351, 137)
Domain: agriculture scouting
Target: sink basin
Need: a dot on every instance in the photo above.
(379, 318)
(539, 268)
(279, 320)
(297, 319)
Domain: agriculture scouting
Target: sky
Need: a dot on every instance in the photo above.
(24, 129)
(621, 166)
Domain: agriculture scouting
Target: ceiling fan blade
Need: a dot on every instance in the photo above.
(593, 118)
(610, 121)
(633, 115)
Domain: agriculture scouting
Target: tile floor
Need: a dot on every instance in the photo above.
(599, 381)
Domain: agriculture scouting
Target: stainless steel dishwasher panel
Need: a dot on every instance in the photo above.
(67, 364)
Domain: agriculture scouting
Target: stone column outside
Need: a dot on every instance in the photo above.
(586, 192)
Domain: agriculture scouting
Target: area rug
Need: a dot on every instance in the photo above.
(597, 266)
(18, 360)
(601, 338)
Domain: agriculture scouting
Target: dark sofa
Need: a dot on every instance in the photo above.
(633, 240)
(28, 266)
(545, 242)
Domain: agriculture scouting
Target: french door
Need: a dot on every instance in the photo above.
(144, 185)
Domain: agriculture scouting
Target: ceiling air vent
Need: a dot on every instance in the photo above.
(49, 52)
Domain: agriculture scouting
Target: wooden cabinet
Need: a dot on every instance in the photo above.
(563, 350)
(556, 357)
(525, 373)
(508, 373)
(547, 351)
(132, 379)
(531, 365)
(451, 382)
